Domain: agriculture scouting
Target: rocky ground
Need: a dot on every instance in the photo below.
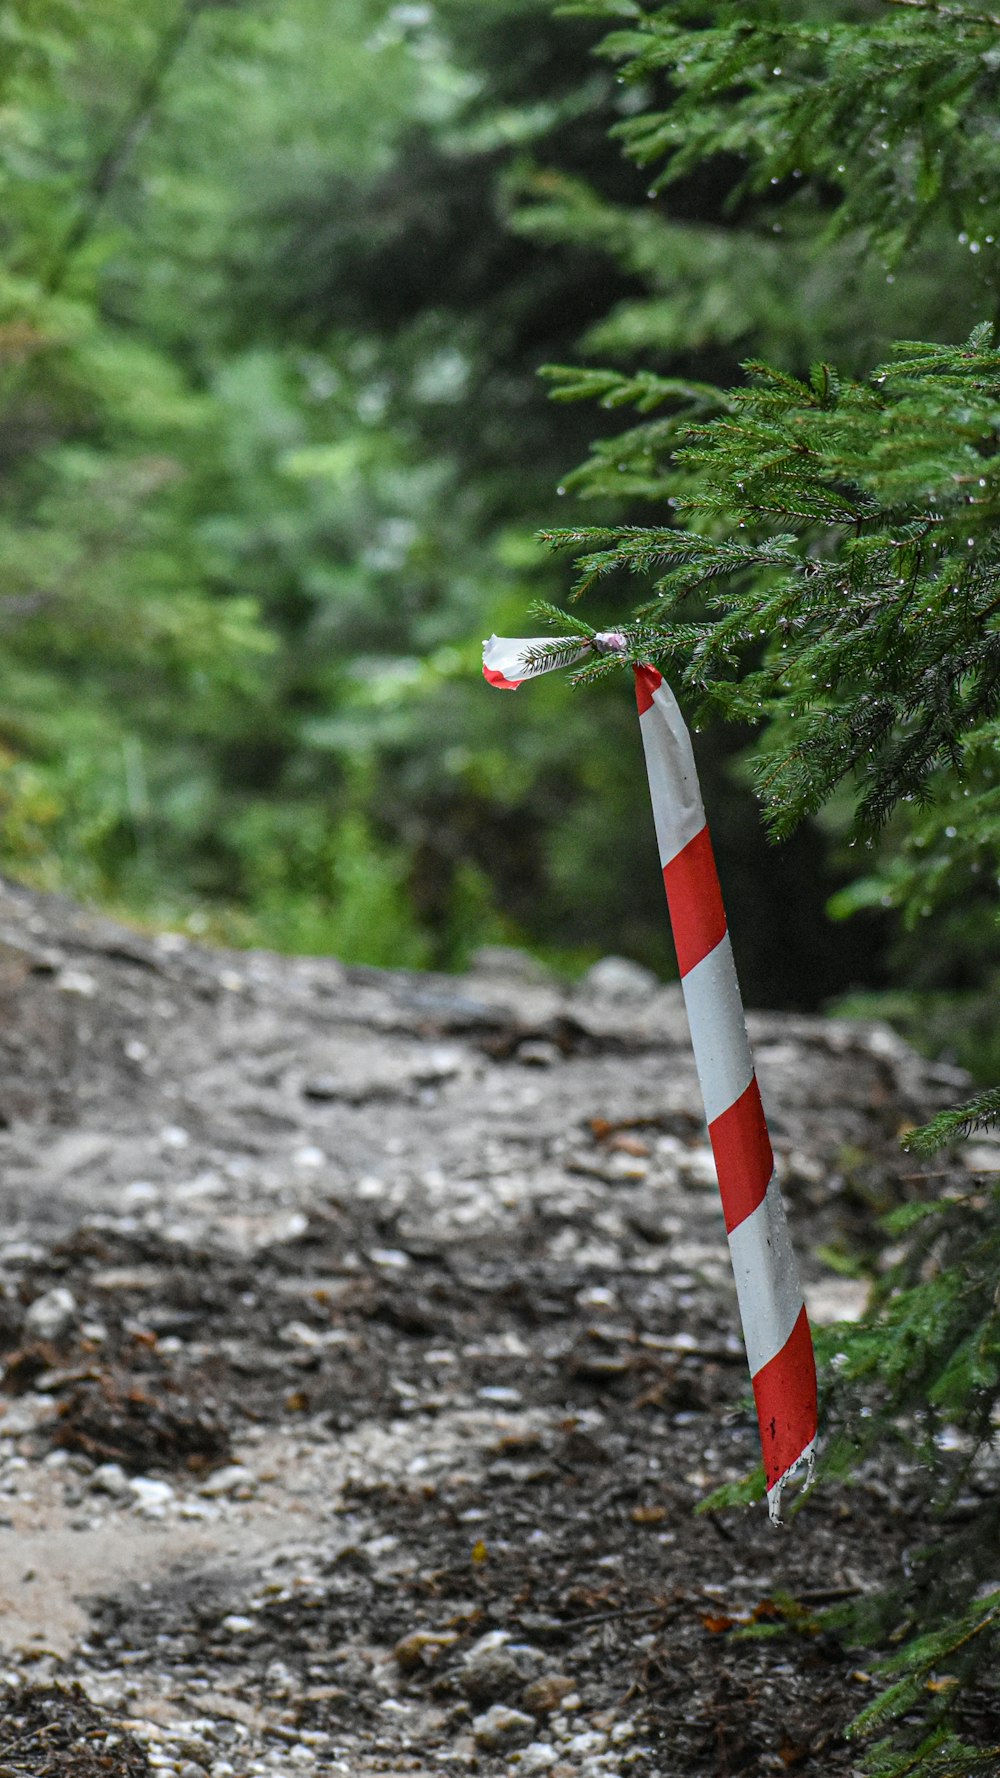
(368, 1341)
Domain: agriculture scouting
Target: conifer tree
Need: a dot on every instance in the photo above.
(823, 563)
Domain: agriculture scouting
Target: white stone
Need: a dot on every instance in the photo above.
(110, 1478)
(76, 981)
(597, 1297)
(537, 1052)
(151, 1496)
(486, 1645)
(590, 1741)
(227, 1481)
(369, 1187)
(538, 1756)
(51, 1315)
(444, 1061)
(501, 1727)
(309, 1157)
(170, 942)
(141, 1191)
(297, 1333)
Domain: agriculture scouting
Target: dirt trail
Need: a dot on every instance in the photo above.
(368, 1340)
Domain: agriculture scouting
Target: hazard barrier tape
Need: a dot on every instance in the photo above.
(775, 1326)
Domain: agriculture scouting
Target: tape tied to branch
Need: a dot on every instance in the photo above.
(775, 1326)
(508, 661)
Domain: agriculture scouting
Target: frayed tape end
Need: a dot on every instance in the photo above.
(808, 1457)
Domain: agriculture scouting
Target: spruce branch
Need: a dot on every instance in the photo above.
(980, 1113)
(823, 566)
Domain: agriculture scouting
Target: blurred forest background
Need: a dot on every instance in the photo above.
(276, 282)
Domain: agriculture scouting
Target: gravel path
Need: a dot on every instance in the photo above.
(368, 1340)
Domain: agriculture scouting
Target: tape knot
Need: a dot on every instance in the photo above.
(611, 642)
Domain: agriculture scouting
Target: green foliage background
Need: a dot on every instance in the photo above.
(272, 455)
(275, 285)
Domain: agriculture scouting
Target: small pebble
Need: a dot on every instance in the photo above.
(538, 1756)
(110, 1478)
(422, 1648)
(51, 1315)
(233, 1479)
(546, 1693)
(502, 1727)
(141, 1191)
(151, 1496)
(309, 1157)
(76, 981)
(590, 1741)
(495, 1674)
(537, 1052)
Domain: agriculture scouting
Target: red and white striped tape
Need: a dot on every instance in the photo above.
(775, 1326)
